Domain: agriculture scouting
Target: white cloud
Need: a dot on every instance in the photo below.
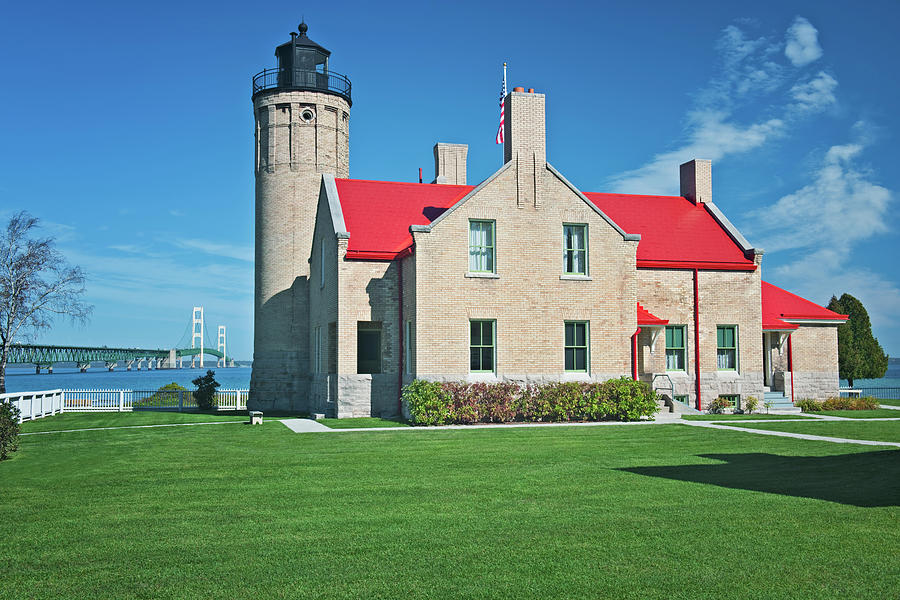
(216, 249)
(802, 43)
(839, 207)
(816, 94)
(748, 74)
(711, 137)
(818, 226)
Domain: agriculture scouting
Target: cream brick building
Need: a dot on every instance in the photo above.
(363, 286)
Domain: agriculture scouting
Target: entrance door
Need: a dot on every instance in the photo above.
(767, 360)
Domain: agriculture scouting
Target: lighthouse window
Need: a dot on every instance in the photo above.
(307, 115)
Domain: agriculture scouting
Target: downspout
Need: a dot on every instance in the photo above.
(634, 344)
(791, 365)
(402, 341)
(697, 334)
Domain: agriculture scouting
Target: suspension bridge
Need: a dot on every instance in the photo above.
(45, 356)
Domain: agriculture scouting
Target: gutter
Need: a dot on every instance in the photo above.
(400, 311)
(697, 335)
(634, 343)
(791, 365)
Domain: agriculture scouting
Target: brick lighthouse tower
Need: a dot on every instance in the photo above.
(302, 116)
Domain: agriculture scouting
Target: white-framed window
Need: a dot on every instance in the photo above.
(575, 249)
(482, 246)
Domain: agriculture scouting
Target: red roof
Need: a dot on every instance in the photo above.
(378, 213)
(675, 233)
(778, 304)
(645, 317)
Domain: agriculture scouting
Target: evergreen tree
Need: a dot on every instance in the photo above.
(860, 356)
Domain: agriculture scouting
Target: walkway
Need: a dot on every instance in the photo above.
(799, 436)
(310, 426)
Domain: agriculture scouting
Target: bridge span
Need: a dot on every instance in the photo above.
(43, 356)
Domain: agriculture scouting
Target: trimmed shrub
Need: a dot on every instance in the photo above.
(718, 405)
(808, 405)
(431, 403)
(205, 394)
(751, 403)
(9, 429)
(427, 402)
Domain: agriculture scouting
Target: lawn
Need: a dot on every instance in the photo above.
(862, 414)
(639, 511)
(116, 419)
(360, 422)
(764, 417)
(882, 431)
(893, 402)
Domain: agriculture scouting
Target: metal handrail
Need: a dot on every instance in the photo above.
(302, 80)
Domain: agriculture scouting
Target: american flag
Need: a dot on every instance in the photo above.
(502, 111)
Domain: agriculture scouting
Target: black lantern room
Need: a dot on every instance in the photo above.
(303, 66)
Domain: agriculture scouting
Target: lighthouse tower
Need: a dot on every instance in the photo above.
(301, 110)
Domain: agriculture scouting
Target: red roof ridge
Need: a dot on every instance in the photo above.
(781, 304)
(636, 195)
(442, 185)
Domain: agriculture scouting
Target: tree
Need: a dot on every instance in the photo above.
(36, 285)
(205, 394)
(860, 356)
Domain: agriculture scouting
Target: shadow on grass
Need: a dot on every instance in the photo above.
(865, 479)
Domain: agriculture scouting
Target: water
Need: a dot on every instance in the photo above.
(891, 379)
(20, 379)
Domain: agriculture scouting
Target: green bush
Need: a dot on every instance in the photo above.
(431, 403)
(428, 402)
(808, 405)
(751, 403)
(718, 405)
(9, 429)
(205, 394)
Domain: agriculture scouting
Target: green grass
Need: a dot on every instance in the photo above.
(115, 419)
(882, 431)
(364, 422)
(635, 511)
(861, 414)
(892, 402)
(739, 417)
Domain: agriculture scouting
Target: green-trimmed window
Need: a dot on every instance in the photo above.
(726, 347)
(576, 346)
(482, 346)
(481, 246)
(734, 399)
(681, 398)
(575, 253)
(675, 348)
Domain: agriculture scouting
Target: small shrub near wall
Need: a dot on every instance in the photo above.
(431, 403)
(9, 429)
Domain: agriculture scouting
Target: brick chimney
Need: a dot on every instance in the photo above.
(525, 142)
(450, 163)
(696, 180)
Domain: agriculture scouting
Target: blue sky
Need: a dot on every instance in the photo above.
(127, 129)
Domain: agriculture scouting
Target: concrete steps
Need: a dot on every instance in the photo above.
(779, 404)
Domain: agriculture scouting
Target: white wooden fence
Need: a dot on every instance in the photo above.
(34, 405)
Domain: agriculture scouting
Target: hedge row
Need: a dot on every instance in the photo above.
(808, 405)
(433, 403)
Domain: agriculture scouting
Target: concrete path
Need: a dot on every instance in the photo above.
(799, 436)
(308, 425)
(889, 406)
(305, 425)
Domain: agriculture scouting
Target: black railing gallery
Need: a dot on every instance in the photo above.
(304, 80)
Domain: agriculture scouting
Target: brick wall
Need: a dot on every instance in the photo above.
(815, 358)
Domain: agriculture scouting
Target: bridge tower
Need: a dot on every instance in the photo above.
(197, 332)
(302, 117)
(220, 346)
